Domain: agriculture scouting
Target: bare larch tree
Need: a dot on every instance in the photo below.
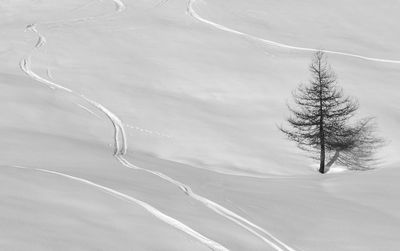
(320, 122)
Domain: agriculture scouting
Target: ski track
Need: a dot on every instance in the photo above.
(120, 149)
(194, 14)
(88, 110)
(224, 212)
(119, 131)
(152, 210)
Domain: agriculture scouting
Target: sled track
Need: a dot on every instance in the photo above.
(194, 14)
(120, 149)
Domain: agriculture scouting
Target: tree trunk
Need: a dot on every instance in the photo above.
(322, 158)
(322, 141)
(321, 123)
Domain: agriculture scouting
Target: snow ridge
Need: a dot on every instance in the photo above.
(152, 210)
(194, 14)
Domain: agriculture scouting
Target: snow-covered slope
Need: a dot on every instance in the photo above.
(152, 125)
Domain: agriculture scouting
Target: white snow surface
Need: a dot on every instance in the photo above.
(159, 127)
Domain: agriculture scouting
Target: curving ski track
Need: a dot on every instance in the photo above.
(226, 213)
(152, 210)
(120, 149)
(194, 14)
(119, 132)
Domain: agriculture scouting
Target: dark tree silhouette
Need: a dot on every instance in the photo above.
(320, 121)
